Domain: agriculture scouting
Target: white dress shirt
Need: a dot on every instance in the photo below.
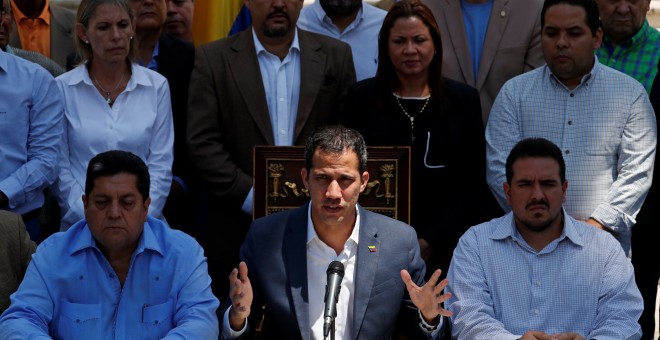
(139, 121)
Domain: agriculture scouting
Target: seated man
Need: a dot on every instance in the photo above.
(117, 273)
(288, 254)
(536, 272)
(16, 249)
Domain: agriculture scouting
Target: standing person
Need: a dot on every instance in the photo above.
(272, 84)
(355, 22)
(180, 19)
(16, 250)
(31, 114)
(487, 42)
(600, 118)
(410, 103)
(45, 27)
(116, 274)
(112, 103)
(537, 273)
(173, 59)
(286, 255)
(632, 46)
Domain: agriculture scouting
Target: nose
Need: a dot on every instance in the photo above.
(278, 3)
(562, 41)
(537, 192)
(113, 210)
(333, 191)
(623, 7)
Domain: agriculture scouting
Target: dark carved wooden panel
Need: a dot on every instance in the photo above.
(278, 185)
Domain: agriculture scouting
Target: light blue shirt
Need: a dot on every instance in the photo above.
(31, 114)
(605, 128)
(70, 290)
(581, 282)
(153, 62)
(361, 34)
(475, 19)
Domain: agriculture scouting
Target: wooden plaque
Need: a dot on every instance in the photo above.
(278, 186)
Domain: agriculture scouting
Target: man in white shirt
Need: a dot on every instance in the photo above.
(288, 253)
(355, 22)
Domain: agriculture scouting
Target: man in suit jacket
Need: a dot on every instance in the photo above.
(287, 254)
(509, 44)
(60, 27)
(16, 250)
(237, 101)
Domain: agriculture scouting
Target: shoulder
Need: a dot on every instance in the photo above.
(174, 243)
(454, 87)
(276, 223)
(365, 87)
(525, 7)
(386, 226)
(171, 44)
(222, 46)
(18, 68)
(61, 13)
(313, 40)
(612, 78)
(151, 77)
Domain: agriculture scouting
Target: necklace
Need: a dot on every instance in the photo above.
(412, 118)
(108, 98)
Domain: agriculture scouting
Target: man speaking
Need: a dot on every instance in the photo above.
(381, 290)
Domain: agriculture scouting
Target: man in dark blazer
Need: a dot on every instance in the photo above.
(61, 25)
(16, 249)
(229, 112)
(287, 254)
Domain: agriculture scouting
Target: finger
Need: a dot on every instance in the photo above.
(437, 289)
(243, 270)
(407, 280)
(233, 276)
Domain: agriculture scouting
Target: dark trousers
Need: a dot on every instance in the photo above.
(647, 265)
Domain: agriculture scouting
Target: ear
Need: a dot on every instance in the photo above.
(303, 175)
(564, 187)
(84, 199)
(145, 206)
(598, 38)
(365, 181)
(506, 188)
(81, 32)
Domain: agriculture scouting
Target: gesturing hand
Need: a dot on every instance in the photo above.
(240, 293)
(428, 298)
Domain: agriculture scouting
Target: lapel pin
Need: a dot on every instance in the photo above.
(503, 14)
(372, 249)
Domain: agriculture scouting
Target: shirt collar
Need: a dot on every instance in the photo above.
(639, 37)
(44, 15)
(138, 76)
(321, 16)
(261, 49)
(311, 232)
(3, 60)
(506, 228)
(85, 240)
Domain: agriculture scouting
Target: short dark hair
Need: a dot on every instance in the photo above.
(590, 8)
(114, 162)
(336, 139)
(536, 148)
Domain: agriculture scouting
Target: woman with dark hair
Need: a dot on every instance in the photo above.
(112, 103)
(409, 103)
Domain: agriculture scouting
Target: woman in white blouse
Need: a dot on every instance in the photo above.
(112, 103)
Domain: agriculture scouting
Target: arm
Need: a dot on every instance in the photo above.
(471, 302)
(195, 316)
(502, 133)
(161, 152)
(45, 132)
(620, 303)
(31, 309)
(635, 168)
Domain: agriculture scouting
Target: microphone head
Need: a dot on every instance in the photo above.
(335, 267)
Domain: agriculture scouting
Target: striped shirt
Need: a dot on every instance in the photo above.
(580, 282)
(605, 128)
(637, 57)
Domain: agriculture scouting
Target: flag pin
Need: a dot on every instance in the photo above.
(372, 249)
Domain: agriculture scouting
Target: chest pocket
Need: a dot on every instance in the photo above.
(80, 321)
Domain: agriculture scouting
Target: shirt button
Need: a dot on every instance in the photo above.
(536, 312)
(282, 132)
(568, 151)
(572, 95)
(570, 122)
(281, 99)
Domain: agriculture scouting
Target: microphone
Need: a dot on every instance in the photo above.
(335, 274)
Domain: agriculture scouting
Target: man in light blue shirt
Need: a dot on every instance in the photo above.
(117, 274)
(536, 272)
(355, 22)
(31, 129)
(600, 118)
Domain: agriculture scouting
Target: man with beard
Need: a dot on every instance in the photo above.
(600, 118)
(536, 272)
(179, 19)
(272, 84)
(355, 22)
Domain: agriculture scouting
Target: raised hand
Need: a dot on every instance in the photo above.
(240, 293)
(428, 298)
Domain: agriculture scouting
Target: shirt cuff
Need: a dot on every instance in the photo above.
(227, 332)
(247, 204)
(430, 330)
(611, 217)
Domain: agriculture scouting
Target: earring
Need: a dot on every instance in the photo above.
(131, 37)
(87, 42)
